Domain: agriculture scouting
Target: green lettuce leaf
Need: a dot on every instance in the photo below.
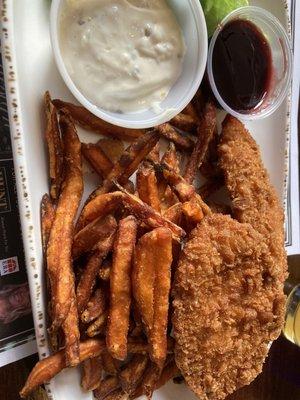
(216, 10)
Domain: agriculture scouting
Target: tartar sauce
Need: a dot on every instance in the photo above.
(123, 55)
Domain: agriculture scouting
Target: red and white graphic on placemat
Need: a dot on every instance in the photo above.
(9, 266)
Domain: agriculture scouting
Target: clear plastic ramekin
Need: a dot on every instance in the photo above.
(281, 54)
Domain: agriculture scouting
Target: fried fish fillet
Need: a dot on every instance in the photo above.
(228, 306)
(254, 199)
(228, 296)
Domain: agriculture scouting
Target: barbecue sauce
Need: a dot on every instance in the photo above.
(242, 65)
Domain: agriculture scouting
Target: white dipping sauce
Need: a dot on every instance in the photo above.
(123, 55)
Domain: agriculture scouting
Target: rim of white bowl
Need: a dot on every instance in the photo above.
(160, 118)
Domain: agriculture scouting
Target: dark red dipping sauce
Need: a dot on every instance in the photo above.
(242, 65)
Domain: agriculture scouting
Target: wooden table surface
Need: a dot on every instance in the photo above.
(280, 379)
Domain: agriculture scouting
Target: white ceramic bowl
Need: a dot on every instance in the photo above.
(191, 19)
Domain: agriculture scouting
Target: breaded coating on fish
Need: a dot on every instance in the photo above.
(228, 306)
(254, 199)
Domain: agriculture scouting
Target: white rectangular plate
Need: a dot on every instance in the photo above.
(30, 71)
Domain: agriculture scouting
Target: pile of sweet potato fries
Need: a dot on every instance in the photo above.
(110, 270)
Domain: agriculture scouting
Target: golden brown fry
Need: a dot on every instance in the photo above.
(149, 216)
(118, 394)
(105, 270)
(47, 218)
(97, 159)
(59, 262)
(149, 379)
(182, 141)
(86, 239)
(47, 368)
(183, 189)
(167, 196)
(109, 364)
(147, 188)
(171, 158)
(90, 122)
(169, 371)
(98, 207)
(199, 102)
(162, 258)
(70, 328)
(206, 131)
(54, 145)
(129, 161)
(96, 306)
(136, 345)
(184, 122)
(174, 213)
(191, 111)
(120, 289)
(91, 373)
(97, 327)
(131, 375)
(193, 213)
(113, 148)
(107, 385)
(154, 153)
(88, 277)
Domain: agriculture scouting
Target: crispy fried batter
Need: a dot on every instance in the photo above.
(120, 288)
(228, 306)
(254, 198)
(47, 368)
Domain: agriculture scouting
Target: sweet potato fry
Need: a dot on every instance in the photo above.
(149, 380)
(96, 306)
(47, 218)
(147, 188)
(183, 142)
(154, 153)
(118, 394)
(109, 364)
(47, 368)
(91, 373)
(86, 239)
(206, 131)
(97, 159)
(191, 111)
(151, 279)
(105, 270)
(183, 189)
(113, 148)
(54, 145)
(171, 158)
(129, 161)
(149, 216)
(97, 327)
(90, 122)
(162, 257)
(98, 207)
(88, 277)
(120, 289)
(184, 122)
(107, 385)
(70, 328)
(137, 346)
(192, 212)
(169, 371)
(59, 262)
(174, 213)
(131, 375)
